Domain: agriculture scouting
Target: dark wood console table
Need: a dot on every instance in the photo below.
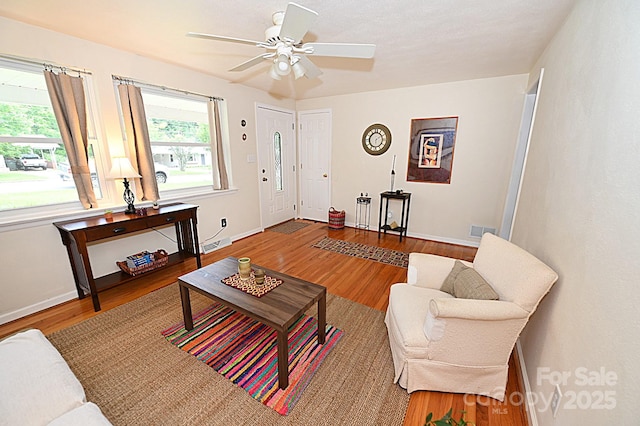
(77, 233)
(405, 197)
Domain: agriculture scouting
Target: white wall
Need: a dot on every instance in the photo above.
(579, 212)
(489, 113)
(35, 269)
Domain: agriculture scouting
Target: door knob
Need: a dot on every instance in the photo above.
(324, 175)
(264, 179)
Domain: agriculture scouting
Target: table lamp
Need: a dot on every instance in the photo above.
(121, 168)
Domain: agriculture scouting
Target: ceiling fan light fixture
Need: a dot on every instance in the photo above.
(298, 69)
(273, 72)
(282, 65)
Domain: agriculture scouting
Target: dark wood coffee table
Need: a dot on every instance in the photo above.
(278, 309)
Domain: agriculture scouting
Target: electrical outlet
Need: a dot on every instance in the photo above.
(223, 222)
(555, 400)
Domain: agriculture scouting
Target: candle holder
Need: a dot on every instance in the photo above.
(244, 268)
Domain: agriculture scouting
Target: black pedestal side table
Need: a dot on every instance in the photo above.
(405, 197)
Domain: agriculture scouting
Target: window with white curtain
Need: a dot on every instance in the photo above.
(34, 169)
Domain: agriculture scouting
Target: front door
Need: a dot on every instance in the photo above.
(276, 162)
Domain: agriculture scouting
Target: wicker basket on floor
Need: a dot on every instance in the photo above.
(161, 258)
(336, 218)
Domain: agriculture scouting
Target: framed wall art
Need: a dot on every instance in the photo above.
(431, 149)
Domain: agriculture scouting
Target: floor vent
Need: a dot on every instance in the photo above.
(215, 245)
(478, 231)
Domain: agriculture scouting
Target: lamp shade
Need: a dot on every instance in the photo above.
(121, 168)
(273, 73)
(298, 69)
(282, 65)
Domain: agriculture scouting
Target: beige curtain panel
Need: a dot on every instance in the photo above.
(137, 133)
(68, 101)
(221, 178)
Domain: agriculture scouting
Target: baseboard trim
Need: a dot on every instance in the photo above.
(439, 239)
(37, 307)
(467, 243)
(247, 234)
(525, 386)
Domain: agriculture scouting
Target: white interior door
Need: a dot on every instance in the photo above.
(315, 164)
(276, 162)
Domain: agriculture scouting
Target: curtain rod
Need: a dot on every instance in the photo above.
(155, 86)
(44, 64)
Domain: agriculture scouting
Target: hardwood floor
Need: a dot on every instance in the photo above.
(363, 281)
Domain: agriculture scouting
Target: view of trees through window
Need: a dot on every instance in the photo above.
(27, 120)
(178, 131)
(180, 139)
(20, 120)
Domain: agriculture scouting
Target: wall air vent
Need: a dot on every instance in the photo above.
(477, 231)
(215, 245)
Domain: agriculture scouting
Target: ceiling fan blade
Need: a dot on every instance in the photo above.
(223, 38)
(251, 62)
(345, 50)
(311, 70)
(297, 21)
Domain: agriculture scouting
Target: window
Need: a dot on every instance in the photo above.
(34, 169)
(180, 139)
(277, 161)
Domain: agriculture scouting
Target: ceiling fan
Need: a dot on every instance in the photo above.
(285, 48)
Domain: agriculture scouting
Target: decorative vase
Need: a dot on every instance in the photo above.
(244, 268)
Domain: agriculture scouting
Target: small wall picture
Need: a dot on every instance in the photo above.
(431, 149)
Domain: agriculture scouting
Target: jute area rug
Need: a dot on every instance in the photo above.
(288, 227)
(138, 378)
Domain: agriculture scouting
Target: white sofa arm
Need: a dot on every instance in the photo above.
(456, 328)
(471, 309)
(429, 270)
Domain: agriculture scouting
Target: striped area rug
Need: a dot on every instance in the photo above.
(245, 352)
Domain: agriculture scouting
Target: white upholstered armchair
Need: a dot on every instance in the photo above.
(462, 345)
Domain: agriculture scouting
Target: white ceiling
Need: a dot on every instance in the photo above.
(418, 41)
